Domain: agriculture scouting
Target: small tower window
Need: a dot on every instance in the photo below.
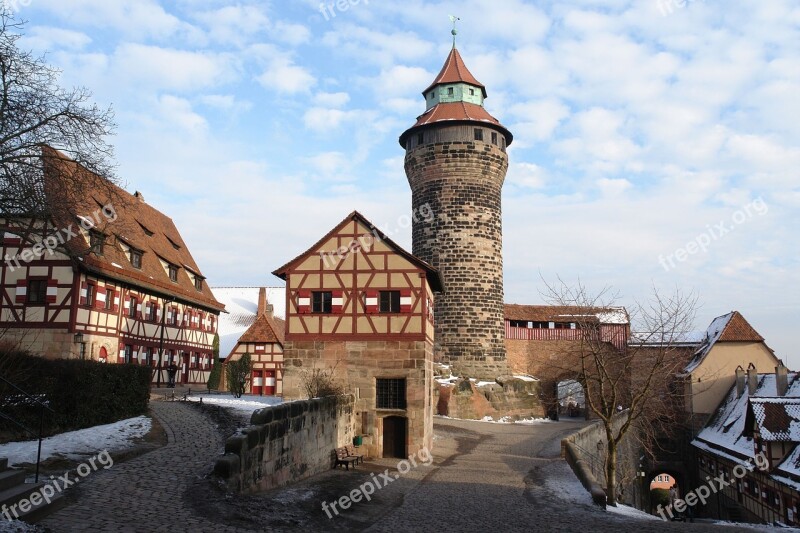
(478, 134)
(430, 95)
(449, 91)
(494, 137)
(472, 92)
(420, 138)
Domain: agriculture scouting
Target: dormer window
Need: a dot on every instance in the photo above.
(198, 283)
(145, 229)
(96, 242)
(135, 258)
(173, 273)
(173, 243)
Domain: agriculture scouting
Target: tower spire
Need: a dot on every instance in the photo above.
(454, 19)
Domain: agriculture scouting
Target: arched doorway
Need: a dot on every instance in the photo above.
(103, 355)
(571, 399)
(394, 436)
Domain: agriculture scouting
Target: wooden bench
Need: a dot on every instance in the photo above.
(342, 458)
(351, 451)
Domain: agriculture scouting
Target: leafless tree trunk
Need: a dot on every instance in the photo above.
(636, 377)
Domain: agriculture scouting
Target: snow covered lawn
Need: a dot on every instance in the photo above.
(77, 445)
(245, 403)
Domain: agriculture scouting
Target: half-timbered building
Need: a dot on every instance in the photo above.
(107, 278)
(252, 326)
(359, 305)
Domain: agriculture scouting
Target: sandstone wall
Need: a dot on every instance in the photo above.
(286, 443)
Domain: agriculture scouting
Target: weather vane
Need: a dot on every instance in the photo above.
(454, 19)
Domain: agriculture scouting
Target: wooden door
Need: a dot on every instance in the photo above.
(269, 382)
(394, 436)
(185, 368)
(257, 382)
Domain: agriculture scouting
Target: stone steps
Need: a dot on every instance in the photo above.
(24, 501)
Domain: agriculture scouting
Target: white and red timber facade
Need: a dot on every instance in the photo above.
(120, 275)
(262, 340)
(361, 306)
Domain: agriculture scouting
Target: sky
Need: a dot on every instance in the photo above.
(656, 142)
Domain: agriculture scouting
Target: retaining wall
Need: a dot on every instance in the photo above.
(286, 443)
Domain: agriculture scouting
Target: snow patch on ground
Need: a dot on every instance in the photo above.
(16, 526)
(80, 444)
(562, 483)
(526, 378)
(245, 403)
(630, 512)
(510, 420)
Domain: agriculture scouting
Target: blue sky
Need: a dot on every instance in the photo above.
(657, 142)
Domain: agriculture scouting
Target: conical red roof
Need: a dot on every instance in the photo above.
(455, 71)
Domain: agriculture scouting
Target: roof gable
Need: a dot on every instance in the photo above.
(263, 329)
(434, 279)
(777, 419)
(731, 327)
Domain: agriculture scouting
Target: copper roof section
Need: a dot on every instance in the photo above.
(160, 241)
(455, 71)
(432, 274)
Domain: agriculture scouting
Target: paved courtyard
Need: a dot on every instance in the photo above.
(484, 476)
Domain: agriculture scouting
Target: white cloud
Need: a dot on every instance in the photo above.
(48, 38)
(339, 99)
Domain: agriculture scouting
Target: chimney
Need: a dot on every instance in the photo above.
(752, 379)
(781, 379)
(139, 196)
(739, 381)
(262, 301)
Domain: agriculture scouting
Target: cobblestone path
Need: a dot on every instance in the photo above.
(150, 492)
(511, 478)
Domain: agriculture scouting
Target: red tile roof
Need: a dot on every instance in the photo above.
(456, 111)
(137, 225)
(739, 330)
(558, 313)
(265, 329)
(455, 71)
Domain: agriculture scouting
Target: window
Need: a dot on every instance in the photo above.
(109, 300)
(321, 302)
(198, 283)
(449, 91)
(390, 393)
(128, 353)
(90, 292)
(478, 134)
(37, 291)
(494, 137)
(390, 302)
(431, 95)
(136, 258)
(173, 273)
(151, 312)
(472, 92)
(96, 241)
(420, 138)
(134, 305)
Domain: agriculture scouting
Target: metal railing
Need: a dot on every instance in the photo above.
(23, 398)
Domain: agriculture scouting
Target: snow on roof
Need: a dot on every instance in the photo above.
(242, 304)
(726, 434)
(778, 419)
(731, 327)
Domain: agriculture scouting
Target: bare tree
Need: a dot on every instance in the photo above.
(622, 376)
(35, 112)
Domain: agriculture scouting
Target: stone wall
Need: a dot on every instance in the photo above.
(460, 180)
(587, 459)
(357, 365)
(286, 443)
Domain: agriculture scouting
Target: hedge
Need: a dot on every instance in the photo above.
(81, 393)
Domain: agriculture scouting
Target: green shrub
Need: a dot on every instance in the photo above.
(237, 374)
(216, 370)
(80, 393)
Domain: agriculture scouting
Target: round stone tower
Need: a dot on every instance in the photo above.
(456, 163)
